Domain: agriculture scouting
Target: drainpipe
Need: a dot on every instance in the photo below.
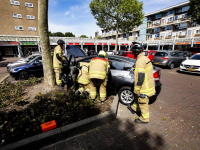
(173, 45)
(96, 47)
(192, 42)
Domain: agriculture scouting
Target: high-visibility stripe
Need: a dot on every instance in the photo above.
(96, 76)
(83, 81)
(144, 70)
(58, 81)
(145, 115)
(92, 93)
(98, 72)
(102, 94)
(135, 105)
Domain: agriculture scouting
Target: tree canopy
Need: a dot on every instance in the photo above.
(83, 36)
(69, 34)
(122, 15)
(194, 11)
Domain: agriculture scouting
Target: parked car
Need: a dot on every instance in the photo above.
(169, 58)
(91, 52)
(149, 53)
(22, 61)
(191, 65)
(120, 79)
(75, 50)
(110, 52)
(127, 54)
(194, 50)
(1, 57)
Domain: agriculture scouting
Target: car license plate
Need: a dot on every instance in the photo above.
(190, 69)
(156, 63)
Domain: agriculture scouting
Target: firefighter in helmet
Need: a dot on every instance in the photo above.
(82, 79)
(58, 60)
(98, 72)
(143, 85)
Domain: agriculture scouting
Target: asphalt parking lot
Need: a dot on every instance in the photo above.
(174, 121)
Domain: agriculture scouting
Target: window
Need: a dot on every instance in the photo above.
(31, 28)
(170, 19)
(116, 64)
(38, 61)
(174, 54)
(176, 17)
(180, 54)
(183, 33)
(15, 2)
(150, 36)
(30, 17)
(157, 35)
(28, 4)
(158, 22)
(168, 28)
(171, 12)
(174, 34)
(185, 8)
(162, 54)
(189, 32)
(169, 34)
(19, 28)
(128, 66)
(183, 25)
(158, 16)
(157, 29)
(197, 31)
(17, 16)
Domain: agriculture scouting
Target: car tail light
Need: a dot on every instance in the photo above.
(156, 75)
(164, 57)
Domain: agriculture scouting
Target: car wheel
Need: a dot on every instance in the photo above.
(171, 65)
(23, 75)
(126, 95)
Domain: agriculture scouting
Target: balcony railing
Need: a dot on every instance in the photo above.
(157, 38)
(169, 22)
(182, 36)
(168, 37)
(197, 35)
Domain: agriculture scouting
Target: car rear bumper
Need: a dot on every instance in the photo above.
(160, 63)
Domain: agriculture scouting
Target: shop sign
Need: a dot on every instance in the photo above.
(197, 42)
(113, 44)
(124, 44)
(182, 43)
(28, 43)
(73, 43)
(152, 44)
(89, 44)
(102, 43)
(8, 43)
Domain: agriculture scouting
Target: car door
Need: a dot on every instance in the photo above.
(36, 66)
(181, 56)
(119, 71)
(174, 57)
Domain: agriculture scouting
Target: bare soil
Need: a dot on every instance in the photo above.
(24, 119)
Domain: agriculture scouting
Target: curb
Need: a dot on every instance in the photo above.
(61, 133)
(4, 78)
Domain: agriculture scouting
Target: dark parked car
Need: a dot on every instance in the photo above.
(91, 52)
(169, 58)
(121, 78)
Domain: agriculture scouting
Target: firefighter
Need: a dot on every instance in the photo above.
(98, 72)
(82, 79)
(58, 60)
(143, 85)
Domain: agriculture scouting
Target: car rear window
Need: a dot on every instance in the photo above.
(162, 54)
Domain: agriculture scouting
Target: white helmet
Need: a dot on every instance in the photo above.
(102, 53)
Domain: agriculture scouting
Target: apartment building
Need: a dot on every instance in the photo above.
(167, 29)
(172, 28)
(19, 18)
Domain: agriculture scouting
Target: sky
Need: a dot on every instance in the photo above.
(75, 15)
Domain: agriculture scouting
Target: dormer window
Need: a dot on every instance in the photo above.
(19, 28)
(17, 16)
(28, 4)
(30, 17)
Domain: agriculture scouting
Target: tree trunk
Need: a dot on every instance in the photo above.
(49, 79)
(116, 43)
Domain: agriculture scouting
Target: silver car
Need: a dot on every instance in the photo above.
(22, 61)
(169, 58)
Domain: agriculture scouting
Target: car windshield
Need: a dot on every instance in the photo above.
(76, 51)
(162, 54)
(33, 59)
(195, 57)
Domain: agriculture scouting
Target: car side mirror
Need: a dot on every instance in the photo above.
(34, 64)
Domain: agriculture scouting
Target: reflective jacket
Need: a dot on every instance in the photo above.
(98, 68)
(143, 74)
(58, 57)
(83, 74)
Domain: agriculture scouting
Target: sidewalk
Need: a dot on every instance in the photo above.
(3, 65)
(174, 122)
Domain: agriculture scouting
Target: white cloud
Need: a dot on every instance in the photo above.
(53, 2)
(67, 13)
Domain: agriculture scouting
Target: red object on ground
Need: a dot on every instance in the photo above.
(48, 126)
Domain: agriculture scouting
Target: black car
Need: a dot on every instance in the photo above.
(121, 77)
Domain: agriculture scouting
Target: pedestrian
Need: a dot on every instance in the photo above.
(143, 85)
(58, 60)
(82, 79)
(98, 73)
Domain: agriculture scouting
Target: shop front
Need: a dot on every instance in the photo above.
(9, 49)
(182, 46)
(29, 47)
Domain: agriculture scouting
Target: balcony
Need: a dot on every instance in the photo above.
(157, 38)
(197, 35)
(168, 37)
(182, 36)
(157, 24)
(169, 22)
